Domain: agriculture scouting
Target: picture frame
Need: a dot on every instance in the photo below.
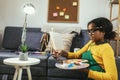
(63, 11)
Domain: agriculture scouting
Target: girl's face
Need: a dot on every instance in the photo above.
(95, 34)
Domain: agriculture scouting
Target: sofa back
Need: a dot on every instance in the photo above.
(80, 40)
(12, 38)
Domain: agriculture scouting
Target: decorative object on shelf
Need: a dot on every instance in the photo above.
(28, 9)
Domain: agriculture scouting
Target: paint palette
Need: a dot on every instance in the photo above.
(72, 64)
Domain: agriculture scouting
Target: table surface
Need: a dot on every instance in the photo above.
(17, 62)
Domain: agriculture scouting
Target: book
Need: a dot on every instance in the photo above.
(56, 41)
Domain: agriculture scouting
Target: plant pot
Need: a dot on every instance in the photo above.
(23, 56)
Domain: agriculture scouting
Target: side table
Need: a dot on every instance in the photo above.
(20, 65)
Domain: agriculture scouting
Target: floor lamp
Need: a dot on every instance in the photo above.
(28, 9)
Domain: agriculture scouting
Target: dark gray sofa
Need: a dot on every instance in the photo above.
(46, 69)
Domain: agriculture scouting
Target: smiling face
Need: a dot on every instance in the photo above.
(95, 34)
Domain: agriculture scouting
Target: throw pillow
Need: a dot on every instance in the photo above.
(67, 41)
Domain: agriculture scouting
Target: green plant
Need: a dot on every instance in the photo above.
(23, 48)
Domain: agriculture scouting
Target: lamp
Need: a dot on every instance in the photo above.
(28, 9)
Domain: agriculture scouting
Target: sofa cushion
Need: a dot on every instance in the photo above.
(62, 73)
(67, 39)
(80, 40)
(33, 40)
(12, 37)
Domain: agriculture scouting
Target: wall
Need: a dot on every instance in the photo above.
(12, 14)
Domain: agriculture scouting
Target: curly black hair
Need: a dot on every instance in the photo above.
(103, 24)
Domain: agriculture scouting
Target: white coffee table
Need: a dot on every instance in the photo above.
(20, 65)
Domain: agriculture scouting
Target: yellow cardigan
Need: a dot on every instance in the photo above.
(104, 56)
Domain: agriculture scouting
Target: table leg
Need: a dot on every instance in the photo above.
(20, 73)
(16, 73)
(29, 73)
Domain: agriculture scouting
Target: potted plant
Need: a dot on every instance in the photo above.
(23, 55)
(23, 48)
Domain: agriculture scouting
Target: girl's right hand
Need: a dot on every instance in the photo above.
(58, 53)
(55, 54)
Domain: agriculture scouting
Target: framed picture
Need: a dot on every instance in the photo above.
(63, 11)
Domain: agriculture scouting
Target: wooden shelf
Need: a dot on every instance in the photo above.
(116, 2)
(117, 45)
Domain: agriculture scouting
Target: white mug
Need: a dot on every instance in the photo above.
(76, 49)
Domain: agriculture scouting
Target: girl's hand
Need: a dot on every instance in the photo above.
(57, 53)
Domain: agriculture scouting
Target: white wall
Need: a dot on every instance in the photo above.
(12, 14)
